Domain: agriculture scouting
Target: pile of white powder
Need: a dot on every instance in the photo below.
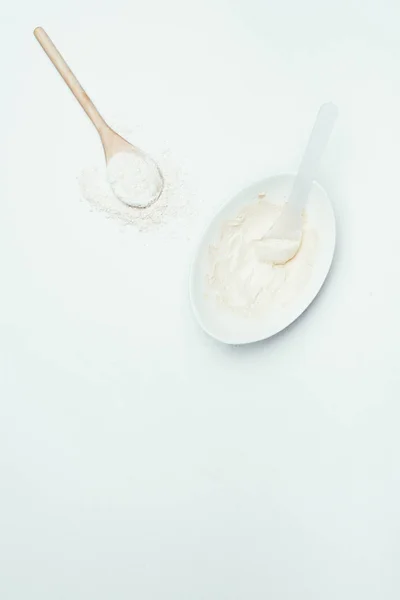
(240, 279)
(100, 186)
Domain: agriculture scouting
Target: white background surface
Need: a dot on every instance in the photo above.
(138, 458)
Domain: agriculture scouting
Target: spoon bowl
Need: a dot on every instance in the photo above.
(133, 175)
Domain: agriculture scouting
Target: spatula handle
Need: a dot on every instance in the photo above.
(70, 79)
(317, 143)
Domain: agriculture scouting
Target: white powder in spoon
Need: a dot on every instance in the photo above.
(240, 279)
(135, 178)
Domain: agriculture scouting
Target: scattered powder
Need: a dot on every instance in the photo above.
(134, 178)
(240, 280)
(172, 206)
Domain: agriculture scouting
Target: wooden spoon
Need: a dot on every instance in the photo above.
(112, 142)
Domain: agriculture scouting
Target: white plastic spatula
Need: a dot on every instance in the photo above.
(282, 241)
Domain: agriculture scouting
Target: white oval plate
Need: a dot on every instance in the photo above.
(229, 327)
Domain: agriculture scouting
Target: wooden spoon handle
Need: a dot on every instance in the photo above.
(70, 79)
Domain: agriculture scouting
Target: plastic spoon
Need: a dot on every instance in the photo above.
(113, 143)
(283, 240)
